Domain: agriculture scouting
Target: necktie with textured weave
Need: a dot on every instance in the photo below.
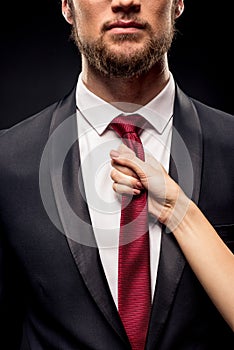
(134, 291)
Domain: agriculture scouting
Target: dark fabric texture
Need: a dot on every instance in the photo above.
(53, 290)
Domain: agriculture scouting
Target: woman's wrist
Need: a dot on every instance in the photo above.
(175, 210)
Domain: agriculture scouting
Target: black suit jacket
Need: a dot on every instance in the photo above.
(53, 290)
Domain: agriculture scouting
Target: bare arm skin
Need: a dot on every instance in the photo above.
(209, 257)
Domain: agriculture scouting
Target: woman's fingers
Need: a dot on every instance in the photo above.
(124, 189)
(147, 172)
(125, 158)
(123, 169)
(127, 182)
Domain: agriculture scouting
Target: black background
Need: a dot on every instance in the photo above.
(39, 64)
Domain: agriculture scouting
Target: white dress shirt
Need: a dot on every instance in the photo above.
(96, 141)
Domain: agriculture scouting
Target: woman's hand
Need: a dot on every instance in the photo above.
(166, 201)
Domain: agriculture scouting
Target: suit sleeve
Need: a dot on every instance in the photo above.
(11, 299)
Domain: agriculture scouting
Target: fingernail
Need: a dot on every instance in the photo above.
(114, 154)
(139, 185)
(136, 191)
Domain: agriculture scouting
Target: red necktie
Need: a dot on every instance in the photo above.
(134, 291)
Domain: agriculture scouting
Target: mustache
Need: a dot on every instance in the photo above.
(143, 24)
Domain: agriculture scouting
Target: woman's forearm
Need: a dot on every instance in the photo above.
(210, 259)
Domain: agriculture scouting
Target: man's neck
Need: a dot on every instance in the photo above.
(137, 90)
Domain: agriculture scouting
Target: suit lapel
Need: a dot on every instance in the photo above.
(185, 169)
(187, 147)
(73, 211)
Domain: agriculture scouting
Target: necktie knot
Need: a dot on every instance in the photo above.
(129, 127)
(124, 124)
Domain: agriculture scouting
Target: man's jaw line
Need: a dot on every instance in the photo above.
(127, 90)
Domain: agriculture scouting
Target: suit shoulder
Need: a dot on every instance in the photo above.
(217, 126)
(212, 114)
(40, 122)
(36, 120)
(24, 142)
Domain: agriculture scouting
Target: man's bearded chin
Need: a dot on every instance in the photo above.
(120, 65)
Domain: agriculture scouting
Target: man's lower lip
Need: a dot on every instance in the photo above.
(122, 30)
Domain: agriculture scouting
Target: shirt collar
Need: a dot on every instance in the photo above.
(99, 113)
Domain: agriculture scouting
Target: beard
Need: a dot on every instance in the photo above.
(124, 65)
